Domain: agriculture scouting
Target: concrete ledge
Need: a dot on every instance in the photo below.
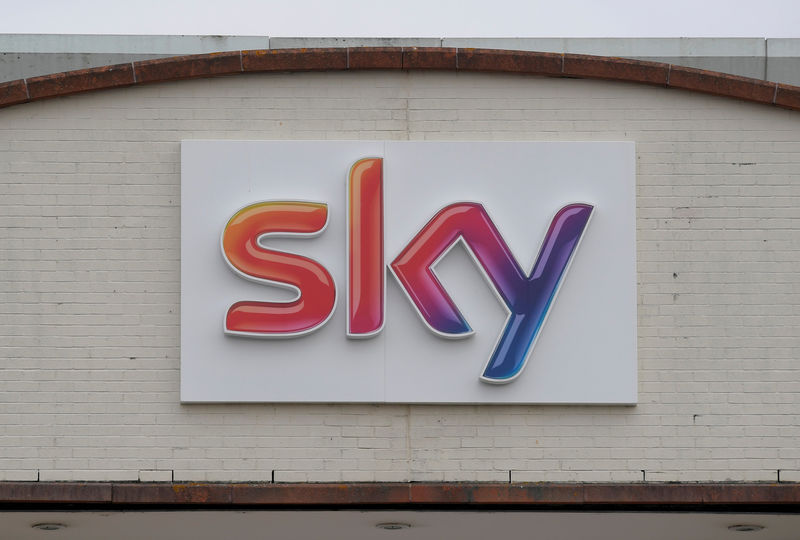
(127, 44)
(679, 497)
(400, 58)
(352, 42)
(687, 47)
(29, 55)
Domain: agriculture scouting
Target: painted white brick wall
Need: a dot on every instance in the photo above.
(89, 288)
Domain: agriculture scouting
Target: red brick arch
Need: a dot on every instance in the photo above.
(399, 58)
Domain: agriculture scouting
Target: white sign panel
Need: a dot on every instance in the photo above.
(408, 272)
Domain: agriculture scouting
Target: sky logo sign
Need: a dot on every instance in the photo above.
(408, 272)
(527, 296)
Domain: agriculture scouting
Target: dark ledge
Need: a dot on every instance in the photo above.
(709, 497)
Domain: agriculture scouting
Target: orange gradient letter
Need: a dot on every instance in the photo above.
(243, 250)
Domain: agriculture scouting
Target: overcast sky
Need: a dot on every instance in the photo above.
(411, 18)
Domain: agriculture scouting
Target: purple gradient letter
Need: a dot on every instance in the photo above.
(528, 297)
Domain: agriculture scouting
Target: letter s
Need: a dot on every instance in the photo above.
(243, 251)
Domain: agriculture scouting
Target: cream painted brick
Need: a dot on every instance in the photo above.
(790, 475)
(227, 475)
(571, 476)
(312, 476)
(189, 475)
(89, 288)
(475, 476)
(155, 476)
(291, 476)
(89, 475)
(712, 476)
(29, 475)
(427, 476)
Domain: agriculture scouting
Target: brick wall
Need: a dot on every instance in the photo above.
(89, 288)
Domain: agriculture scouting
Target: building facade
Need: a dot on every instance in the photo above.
(90, 313)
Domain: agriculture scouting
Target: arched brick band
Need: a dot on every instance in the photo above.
(399, 58)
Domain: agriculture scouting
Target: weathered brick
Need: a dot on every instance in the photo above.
(90, 281)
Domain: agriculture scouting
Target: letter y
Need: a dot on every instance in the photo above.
(528, 297)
